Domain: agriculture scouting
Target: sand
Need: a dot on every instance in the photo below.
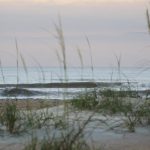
(106, 139)
(31, 103)
(140, 140)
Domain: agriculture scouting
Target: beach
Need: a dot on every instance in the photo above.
(52, 105)
(102, 137)
(31, 104)
(74, 75)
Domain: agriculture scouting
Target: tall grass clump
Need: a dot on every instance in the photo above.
(86, 100)
(10, 117)
(73, 139)
(60, 143)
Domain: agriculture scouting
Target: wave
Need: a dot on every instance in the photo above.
(89, 84)
(9, 92)
(57, 91)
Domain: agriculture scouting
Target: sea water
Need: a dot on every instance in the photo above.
(138, 77)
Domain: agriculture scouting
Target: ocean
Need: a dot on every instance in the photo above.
(137, 78)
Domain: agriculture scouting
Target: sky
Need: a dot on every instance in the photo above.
(115, 28)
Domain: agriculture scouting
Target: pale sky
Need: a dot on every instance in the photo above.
(70, 1)
(114, 27)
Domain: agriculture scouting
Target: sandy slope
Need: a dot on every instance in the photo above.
(106, 139)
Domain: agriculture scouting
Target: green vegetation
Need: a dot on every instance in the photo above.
(86, 100)
(72, 139)
(123, 103)
(10, 117)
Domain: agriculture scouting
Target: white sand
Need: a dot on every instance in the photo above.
(101, 137)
